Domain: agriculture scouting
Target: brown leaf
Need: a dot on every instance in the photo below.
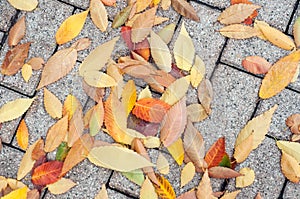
(188, 195)
(76, 127)
(256, 65)
(47, 173)
(17, 32)
(216, 153)
(164, 190)
(38, 151)
(81, 44)
(204, 188)
(290, 167)
(36, 63)
(95, 93)
(258, 196)
(14, 59)
(22, 135)
(238, 31)
(222, 172)
(205, 94)
(185, 9)
(109, 2)
(293, 122)
(33, 194)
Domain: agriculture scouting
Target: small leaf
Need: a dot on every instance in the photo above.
(290, 167)
(162, 164)
(256, 65)
(197, 72)
(109, 2)
(26, 72)
(52, 104)
(296, 32)
(27, 5)
(99, 14)
(187, 174)
(166, 34)
(204, 187)
(47, 173)
(147, 190)
(96, 120)
(36, 63)
(225, 161)
(293, 122)
(177, 151)
(61, 186)
(222, 172)
(136, 176)
(247, 178)
(17, 32)
(238, 31)
(71, 27)
(231, 195)
(121, 17)
(20, 193)
(22, 135)
(291, 148)
(102, 193)
(71, 104)
(216, 152)
(185, 9)
(129, 96)
(164, 189)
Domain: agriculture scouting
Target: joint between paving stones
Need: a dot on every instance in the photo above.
(292, 16)
(208, 5)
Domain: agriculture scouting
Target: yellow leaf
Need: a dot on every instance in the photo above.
(61, 186)
(114, 72)
(184, 50)
(129, 96)
(142, 5)
(165, 4)
(19, 193)
(197, 72)
(246, 179)
(291, 148)
(147, 190)
(22, 135)
(176, 90)
(279, 75)
(102, 193)
(52, 104)
(231, 195)
(160, 53)
(177, 151)
(275, 36)
(26, 72)
(166, 34)
(162, 164)
(187, 174)
(145, 93)
(155, 2)
(114, 157)
(14, 109)
(71, 104)
(204, 189)
(71, 27)
(96, 119)
(238, 31)
(164, 189)
(296, 32)
(243, 149)
(27, 5)
(99, 79)
(76, 127)
(196, 113)
(290, 167)
(99, 14)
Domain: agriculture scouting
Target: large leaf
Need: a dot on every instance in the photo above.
(22, 135)
(52, 104)
(61, 186)
(27, 5)
(238, 31)
(164, 189)
(216, 152)
(291, 148)
(99, 14)
(47, 173)
(142, 5)
(17, 32)
(185, 9)
(280, 75)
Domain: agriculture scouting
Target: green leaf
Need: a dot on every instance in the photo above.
(135, 176)
(225, 161)
(121, 17)
(62, 151)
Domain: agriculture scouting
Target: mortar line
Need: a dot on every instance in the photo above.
(208, 5)
(219, 59)
(15, 91)
(69, 4)
(292, 17)
(283, 189)
(116, 190)
(13, 147)
(45, 193)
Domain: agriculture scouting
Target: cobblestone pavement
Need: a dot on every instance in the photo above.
(235, 102)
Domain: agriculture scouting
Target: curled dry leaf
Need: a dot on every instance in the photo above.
(164, 189)
(17, 32)
(102, 193)
(237, 13)
(22, 135)
(148, 190)
(222, 172)
(291, 148)
(52, 104)
(26, 72)
(177, 151)
(28, 5)
(14, 59)
(61, 186)
(290, 167)
(246, 179)
(99, 14)
(71, 27)
(216, 153)
(238, 31)
(162, 164)
(204, 187)
(187, 174)
(256, 64)
(47, 173)
(296, 32)
(293, 122)
(185, 9)
(279, 75)
(36, 63)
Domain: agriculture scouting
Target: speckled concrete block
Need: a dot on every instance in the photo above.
(116, 195)
(296, 15)
(265, 161)
(9, 162)
(292, 191)
(221, 4)
(6, 14)
(84, 4)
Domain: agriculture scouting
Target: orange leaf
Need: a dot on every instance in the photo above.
(216, 152)
(164, 190)
(109, 2)
(150, 109)
(47, 173)
(256, 65)
(22, 135)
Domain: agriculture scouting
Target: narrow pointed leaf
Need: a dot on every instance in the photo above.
(243, 149)
(197, 72)
(17, 32)
(99, 14)
(121, 17)
(296, 32)
(76, 127)
(222, 172)
(96, 119)
(177, 151)
(205, 94)
(216, 152)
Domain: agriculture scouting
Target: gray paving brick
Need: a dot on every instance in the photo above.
(219, 4)
(116, 195)
(6, 13)
(9, 162)
(292, 191)
(84, 4)
(297, 14)
(265, 161)
(41, 25)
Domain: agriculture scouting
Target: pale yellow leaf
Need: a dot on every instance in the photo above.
(162, 164)
(22, 135)
(296, 32)
(238, 31)
(177, 151)
(196, 113)
(129, 96)
(187, 174)
(247, 178)
(231, 195)
(71, 27)
(243, 149)
(145, 93)
(114, 72)
(17, 32)
(71, 104)
(27, 5)
(142, 5)
(295, 78)
(102, 193)
(166, 34)
(197, 72)
(148, 190)
(14, 109)
(165, 4)
(52, 104)
(159, 20)
(98, 79)
(76, 127)
(99, 14)
(290, 167)
(17, 194)
(26, 72)
(117, 158)
(291, 148)
(61, 186)
(184, 50)
(204, 188)
(15, 184)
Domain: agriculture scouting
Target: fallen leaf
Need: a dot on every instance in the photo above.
(275, 36)
(26, 72)
(71, 104)
(177, 151)
(258, 196)
(246, 179)
(33, 194)
(47, 173)
(15, 184)
(71, 27)
(24, 5)
(36, 63)
(162, 164)
(109, 2)
(185, 9)
(291, 148)
(136, 176)
(296, 32)
(188, 195)
(145, 93)
(243, 149)
(231, 195)
(187, 174)
(58, 66)
(295, 78)
(166, 34)
(165, 4)
(295, 138)
(18, 193)
(205, 94)
(238, 31)
(290, 167)
(184, 50)
(61, 186)
(121, 17)
(256, 64)
(236, 13)
(17, 32)
(129, 96)
(293, 122)
(145, 128)
(38, 151)
(148, 190)
(102, 156)
(56, 134)
(222, 172)
(14, 109)
(96, 119)
(76, 127)
(215, 154)
(102, 193)
(99, 14)
(254, 14)
(164, 189)
(142, 5)
(81, 44)
(98, 79)
(204, 188)
(15, 58)
(52, 104)
(279, 75)
(197, 72)
(196, 113)
(94, 93)
(22, 135)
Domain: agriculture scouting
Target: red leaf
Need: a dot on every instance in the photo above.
(256, 65)
(47, 173)
(216, 152)
(150, 109)
(145, 128)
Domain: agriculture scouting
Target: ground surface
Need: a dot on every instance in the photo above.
(235, 101)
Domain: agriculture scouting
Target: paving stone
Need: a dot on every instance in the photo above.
(6, 14)
(10, 159)
(1, 35)
(89, 179)
(292, 191)
(84, 4)
(265, 161)
(116, 195)
(296, 15)
(219, 4)
(288, 104)
(41, 25)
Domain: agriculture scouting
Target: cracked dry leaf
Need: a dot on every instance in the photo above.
(230, 195)
(26, 72)
(52, 104)
(290, 167)
(162, 164)
(177, 151)
(222, 172)
(20, 193)
(14, 109)
(22, 135)
(237, 13)
(279, 75)
(247, 178)
(204, 188)
(291, 148)
(293, 122)
(27, 5)
(187, 174)
(164, 189)
(197, 72)
(15, 58)
(238, 31)
(256, 64)
(17, 32)
(148, 190)
(184, 50)
(102, 194)
(215, 153)
(185, 9)
(71, 27)
(61, 186)
(296, 32)
(129, 96)
(99, 14)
